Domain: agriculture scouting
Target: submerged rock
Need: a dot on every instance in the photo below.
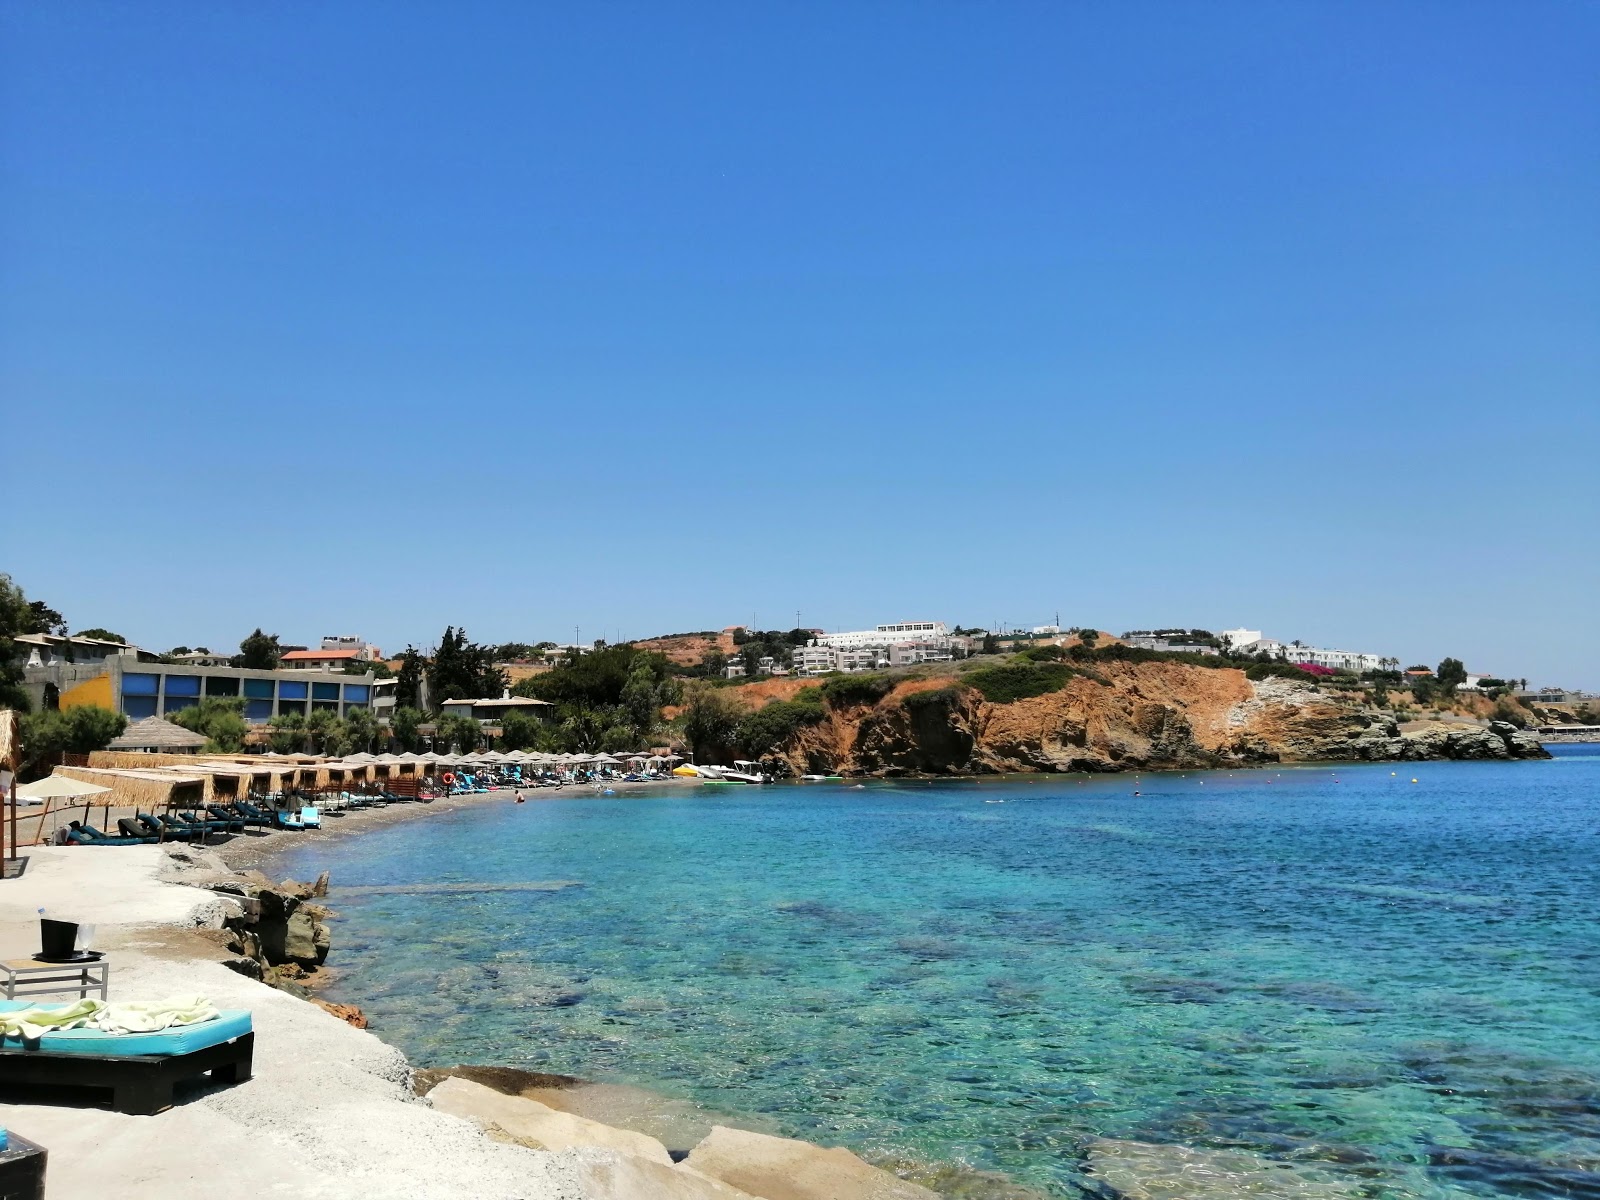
(777, 1168)
(1152, 1171)
(508, 1081)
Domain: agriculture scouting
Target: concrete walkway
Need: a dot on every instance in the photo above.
(329, 1113)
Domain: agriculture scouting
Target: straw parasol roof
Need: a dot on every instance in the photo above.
(153, 733)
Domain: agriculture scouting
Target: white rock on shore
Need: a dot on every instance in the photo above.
(530, 1123)
(777, 1168)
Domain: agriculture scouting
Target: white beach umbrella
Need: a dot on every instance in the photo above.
(59, 787)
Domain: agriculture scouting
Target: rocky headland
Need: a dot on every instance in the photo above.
(1125, 716)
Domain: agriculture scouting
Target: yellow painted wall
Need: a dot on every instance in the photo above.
(90, 691)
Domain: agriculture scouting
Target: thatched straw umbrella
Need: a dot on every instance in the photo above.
(153, 733)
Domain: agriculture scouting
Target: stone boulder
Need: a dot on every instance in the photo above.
(777, 1168)
(529, 1123)
(289, 931)
(607, 1175)
(1151, 1171)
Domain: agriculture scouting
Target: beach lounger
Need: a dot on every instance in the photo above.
(259, 816)
(310, 818)
(170, 828)
(87, 835)
(161, 828)
(195, 820)
(139, 1069)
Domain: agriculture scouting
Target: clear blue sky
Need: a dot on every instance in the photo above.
(340, 317)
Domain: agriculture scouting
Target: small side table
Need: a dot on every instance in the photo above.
(29, 977)
(22, 1167)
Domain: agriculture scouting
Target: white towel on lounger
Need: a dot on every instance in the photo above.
(139, 1016)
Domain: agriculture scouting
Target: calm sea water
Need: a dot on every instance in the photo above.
(1398, 978)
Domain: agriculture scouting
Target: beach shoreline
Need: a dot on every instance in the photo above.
(332, 1110)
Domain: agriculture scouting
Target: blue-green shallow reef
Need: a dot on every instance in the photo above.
(1399, 980)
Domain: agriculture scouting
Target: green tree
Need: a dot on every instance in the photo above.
(621, 738)
(326, 732)
(991, 644)
(408, 683)
(1450, 675)
(457, 731)
(259, 652)
(462, 670)
(641, 696)
(581, 728)
(288, 734)
(1089, 637)
(362, 729)
(711, 722)
(82, 730)
(221, 719)
(404, 725)
(376, 668)
(16, 619)
(522, 731)
(105, 635)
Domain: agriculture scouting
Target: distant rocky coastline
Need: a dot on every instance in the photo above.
(1129, 716)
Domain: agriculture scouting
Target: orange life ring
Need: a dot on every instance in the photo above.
(449, 777)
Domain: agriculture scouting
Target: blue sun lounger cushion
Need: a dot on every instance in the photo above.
(179, 1039)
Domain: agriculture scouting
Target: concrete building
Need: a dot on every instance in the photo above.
(137, 688)
(1337, 660)
(815, 660)
(862, 658)
(885, 635)
(1145, 640)
(492, 711)
(338, 651)
(53, 664)
(908, 654)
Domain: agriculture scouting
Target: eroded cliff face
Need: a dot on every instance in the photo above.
(1136, 715)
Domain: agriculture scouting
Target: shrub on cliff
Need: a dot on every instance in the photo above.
(1018, 681)
(850, 691)
(770, 728)
(944, 698)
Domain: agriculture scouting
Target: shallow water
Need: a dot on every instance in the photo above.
(1399, 980)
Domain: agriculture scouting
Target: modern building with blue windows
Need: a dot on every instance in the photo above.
(142, 689)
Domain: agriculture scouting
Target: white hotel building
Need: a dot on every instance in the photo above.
(900, 644)
(1251, 641)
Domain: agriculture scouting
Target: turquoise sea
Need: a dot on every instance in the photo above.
(1397, 980)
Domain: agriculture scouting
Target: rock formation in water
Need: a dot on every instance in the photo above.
(1127, 716)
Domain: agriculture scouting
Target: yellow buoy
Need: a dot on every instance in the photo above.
(1413, 781)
